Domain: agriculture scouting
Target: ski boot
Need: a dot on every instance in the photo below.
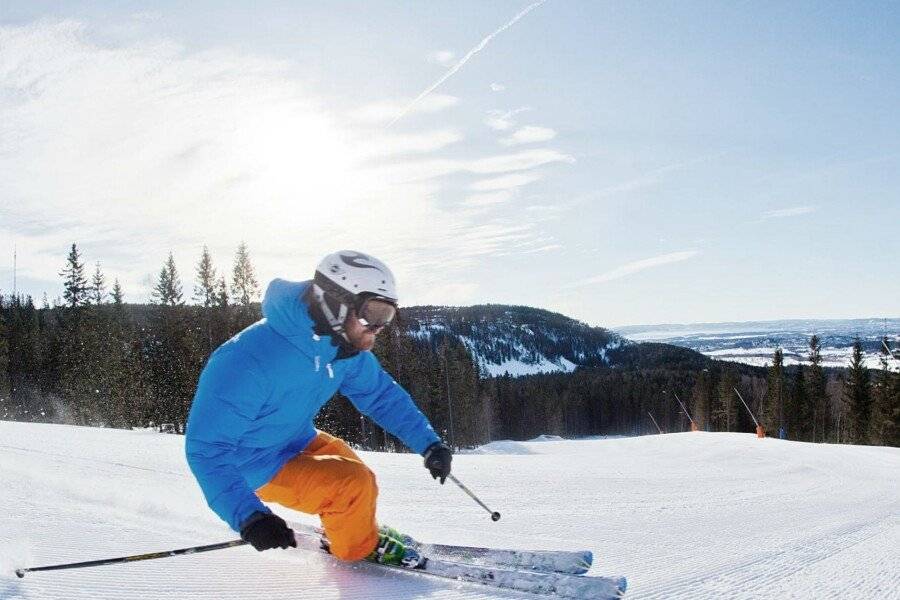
(391, 550)
(391, 532)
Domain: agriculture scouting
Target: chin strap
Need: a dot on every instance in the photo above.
(336, 322)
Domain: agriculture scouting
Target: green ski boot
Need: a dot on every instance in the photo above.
(391, 532)
(392, 551)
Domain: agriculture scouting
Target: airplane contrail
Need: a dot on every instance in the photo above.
(465, 59)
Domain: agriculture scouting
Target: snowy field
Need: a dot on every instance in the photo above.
(694, 515)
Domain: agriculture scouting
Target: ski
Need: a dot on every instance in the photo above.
(553, 561)
(558, 585)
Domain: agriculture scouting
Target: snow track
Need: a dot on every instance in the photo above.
(771, 570)
(696, 516)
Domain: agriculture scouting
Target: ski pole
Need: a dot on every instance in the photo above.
(495, 516)
(125, 559)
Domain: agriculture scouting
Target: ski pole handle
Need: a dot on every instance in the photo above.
(495, 516)
(124, 559)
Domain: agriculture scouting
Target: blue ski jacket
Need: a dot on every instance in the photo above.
(258, 394)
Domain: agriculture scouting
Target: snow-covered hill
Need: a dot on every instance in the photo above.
(515, 340)
(520, 340)
(694, 515)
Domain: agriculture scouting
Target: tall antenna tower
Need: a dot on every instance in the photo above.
(14, 270)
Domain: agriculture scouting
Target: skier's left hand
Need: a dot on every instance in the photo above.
(265, 531)
(438, 457)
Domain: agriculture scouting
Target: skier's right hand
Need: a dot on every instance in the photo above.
(438, 458)
(265, 531)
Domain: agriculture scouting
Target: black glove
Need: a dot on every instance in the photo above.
(438, 457)
(267, 530)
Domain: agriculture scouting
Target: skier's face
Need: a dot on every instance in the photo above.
(360, 337)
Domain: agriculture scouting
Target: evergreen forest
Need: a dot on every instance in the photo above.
(91, 358)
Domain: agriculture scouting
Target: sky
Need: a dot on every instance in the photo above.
(618, 162)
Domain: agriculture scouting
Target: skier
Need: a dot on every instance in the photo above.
(250, 435)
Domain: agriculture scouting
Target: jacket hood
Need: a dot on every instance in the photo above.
(286, 312)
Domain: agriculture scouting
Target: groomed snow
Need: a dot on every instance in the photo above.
(694, 515)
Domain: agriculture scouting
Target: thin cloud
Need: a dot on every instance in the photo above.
(456, 293)
(651, 178)
(441, 57)
(497, 87)
(502, 120)
(146, 16)
(423, 170)
(547, 248)
(638, 266)
(481, 45)
(380, 112)
(520, 161)
(489, 198)
(545, 213)
(529, 134)
(418, 143)
(504, 183)
(788, 212)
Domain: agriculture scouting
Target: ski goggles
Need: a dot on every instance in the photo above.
(375, 313)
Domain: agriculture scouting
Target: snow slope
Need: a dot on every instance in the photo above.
(694, 515)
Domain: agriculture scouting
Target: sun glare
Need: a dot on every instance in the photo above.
(299, 160)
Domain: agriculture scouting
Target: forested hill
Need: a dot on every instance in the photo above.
(518, 340)
(521, 340)
(515, 340)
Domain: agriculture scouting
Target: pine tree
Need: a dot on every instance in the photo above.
(893, 433)
(170, 354)
(168, 287)
(886, 402)
(75, 349)
(118, 296)
(205, 289)
(222, 293)
(816, 392)
(858, 396)
(700, 399)
(773, 412)
(98, 286)
(727, 403)
(5, 400)
(799, 412)
(75, 284)
(244, 287)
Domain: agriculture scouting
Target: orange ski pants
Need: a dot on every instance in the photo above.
(330, 480)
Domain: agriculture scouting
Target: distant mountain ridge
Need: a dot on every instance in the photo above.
(521, 340)
(754, 342)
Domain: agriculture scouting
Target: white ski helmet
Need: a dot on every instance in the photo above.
(345, 279)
